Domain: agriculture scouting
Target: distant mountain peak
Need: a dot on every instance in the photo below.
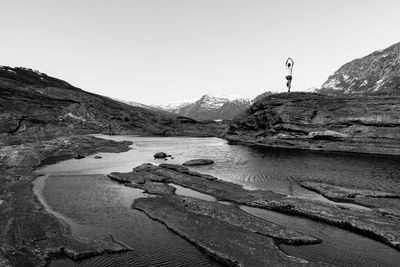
(209, 107)
(173, 105)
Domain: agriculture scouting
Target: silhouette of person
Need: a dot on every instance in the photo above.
(289, 68)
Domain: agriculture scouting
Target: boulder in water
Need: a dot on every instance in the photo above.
(197, 162)
(160, 155)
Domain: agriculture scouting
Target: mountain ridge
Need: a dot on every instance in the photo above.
(213, 107)
(376, 73)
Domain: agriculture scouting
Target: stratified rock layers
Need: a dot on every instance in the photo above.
(370, 223)
(320, 122)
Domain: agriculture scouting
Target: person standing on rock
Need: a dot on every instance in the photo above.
(289, 68)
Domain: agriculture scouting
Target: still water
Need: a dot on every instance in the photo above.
(92, 204)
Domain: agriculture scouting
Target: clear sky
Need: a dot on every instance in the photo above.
(153, 51)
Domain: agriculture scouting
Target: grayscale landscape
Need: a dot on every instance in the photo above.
(173, 133)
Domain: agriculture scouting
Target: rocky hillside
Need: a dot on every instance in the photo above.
(214, 107)
(321, 122)
(36, 106)
(377, 73)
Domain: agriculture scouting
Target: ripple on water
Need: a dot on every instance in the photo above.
(99, 206)
(339, 247)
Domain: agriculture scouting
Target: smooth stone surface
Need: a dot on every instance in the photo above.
(198, 162)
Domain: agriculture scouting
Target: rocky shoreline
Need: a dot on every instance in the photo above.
(30, 236)
(177, 212)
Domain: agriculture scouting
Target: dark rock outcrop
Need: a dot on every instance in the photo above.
(377, 73)
(370, 223)
(160, 155)
(320, 122)
(198, 162)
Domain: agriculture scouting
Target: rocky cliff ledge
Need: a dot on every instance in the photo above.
(319, 122)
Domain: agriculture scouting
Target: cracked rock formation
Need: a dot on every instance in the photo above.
(320, 122)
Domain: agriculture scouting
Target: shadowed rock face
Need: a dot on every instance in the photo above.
(377, 73)
(320, 122)
(36, 106)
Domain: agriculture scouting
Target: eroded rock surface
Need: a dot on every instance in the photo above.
(370, 223)
(342, 193)
(320, 122)
(386, 203)
(30, 236)
(234, 245)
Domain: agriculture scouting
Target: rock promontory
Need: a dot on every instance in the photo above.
(321, 122)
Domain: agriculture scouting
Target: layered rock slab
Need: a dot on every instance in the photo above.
(320, 122)
(386, 203)
(232, 245)
(370, 223)
(229, 214)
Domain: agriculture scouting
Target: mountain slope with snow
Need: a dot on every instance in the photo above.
(174, 105)
(215, 107)
(377, 73)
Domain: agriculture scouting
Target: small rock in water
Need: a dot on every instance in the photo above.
(197, 162)
(160, 155)
(79, 156)
(97, 157)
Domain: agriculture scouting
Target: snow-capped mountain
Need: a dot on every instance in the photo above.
(174, 105)
(377, 73)
(214, 107)
(136, 104)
